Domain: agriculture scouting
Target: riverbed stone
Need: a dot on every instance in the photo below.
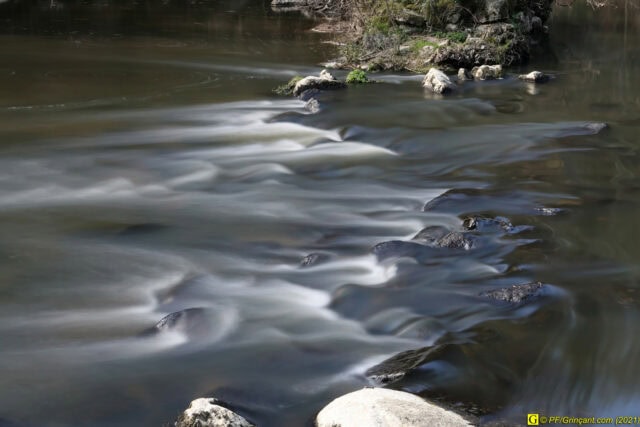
(398, 365)
(379, 407)
(438, 82)
(464, 75)
(313, 259)
(515, 294)
(325, 81)
(535, 77)
(487, 72)
(210, 412)
(179, 320)
(481, 223)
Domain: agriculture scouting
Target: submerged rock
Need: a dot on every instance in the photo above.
(440, 237)
(210, 412)
(438, 82)
(312, 259)
(179, 320)
(515, 294)
(481, 223)
(487, 72)
(312, 106)
(325, 81)
(535, 77)
(430, 235)
(379, 407)
(455, 240)
(397, 366)
(397, 249)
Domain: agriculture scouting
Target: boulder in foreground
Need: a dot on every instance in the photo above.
(208, 412)
(379, 407)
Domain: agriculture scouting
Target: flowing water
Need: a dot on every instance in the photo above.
(146, 168)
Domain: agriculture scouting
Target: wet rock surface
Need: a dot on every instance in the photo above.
(395, 367)
(481, 223)
(515, 294)
(179, 320)
(313, 259)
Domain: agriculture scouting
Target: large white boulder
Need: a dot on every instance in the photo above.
(207, 412)
(380, 407)
(438, 82)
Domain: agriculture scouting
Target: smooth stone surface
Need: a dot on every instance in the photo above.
(438, 82)
(208, 412)
(378, 407)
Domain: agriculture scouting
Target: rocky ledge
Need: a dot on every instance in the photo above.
(414, 35)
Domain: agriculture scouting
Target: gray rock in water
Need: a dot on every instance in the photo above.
(210, 412)
(396, 249)
(455, 240)
(182, 319)
(542, 210)
(438, 82)
(312, 106)
(515, 294)
(481, 223)
(379, 407)
(487, 72)
(324, 82)
(439, 237)
(312, 259)
(430, 235)
(535, 77)
(395, 367)
(464, 75)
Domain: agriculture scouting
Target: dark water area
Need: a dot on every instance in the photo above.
(146, 168)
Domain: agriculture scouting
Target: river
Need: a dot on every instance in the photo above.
(146, 167)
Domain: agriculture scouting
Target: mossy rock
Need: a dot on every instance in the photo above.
(287, 89)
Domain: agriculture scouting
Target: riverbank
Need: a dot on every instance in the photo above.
(414, 36)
